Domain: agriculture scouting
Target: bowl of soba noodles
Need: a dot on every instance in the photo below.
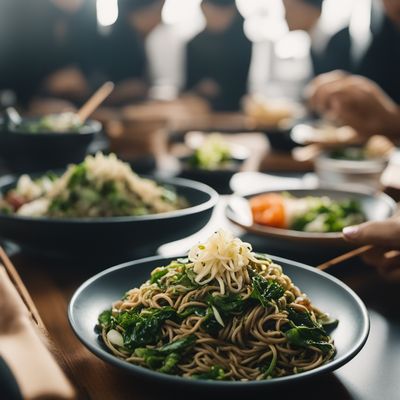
(221, 316)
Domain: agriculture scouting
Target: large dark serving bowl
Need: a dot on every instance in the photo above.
(218, 179)
(33, 152)
(325, 291)
(112, 239)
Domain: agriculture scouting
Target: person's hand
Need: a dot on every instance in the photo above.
(67, 83)
(355, 101)
(385, 237)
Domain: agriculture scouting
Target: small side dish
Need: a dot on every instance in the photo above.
(308, 214)
(222, 313)
(214, 153)
(271, 112)
(101, 186)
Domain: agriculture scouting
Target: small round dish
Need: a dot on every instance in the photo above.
(39, 151)
(326, 292)
(218, 178)
(112, 239)
(376, 207)
(316, 132)
(335, 171)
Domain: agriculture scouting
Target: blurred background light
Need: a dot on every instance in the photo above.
(264, 18)
(185, 15)
(107, 12)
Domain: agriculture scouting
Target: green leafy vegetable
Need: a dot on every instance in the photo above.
(78, 176)
(266, 290)
(349, 153)
(262, 257)
(212, 154)
(186, 276)
(165, 358)
(305, 337)
(215, 373)
(193, 310)
(140, 327)
(105, 318)
(225, 307)
(303, 318)
(228, 304)
(332, 216)
(157, 274)
(271, 367)
(306, 332)
(328, 323)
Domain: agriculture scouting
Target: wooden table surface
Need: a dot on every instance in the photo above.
(373, 374)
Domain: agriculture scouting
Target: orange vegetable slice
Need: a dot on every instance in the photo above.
(268, 209)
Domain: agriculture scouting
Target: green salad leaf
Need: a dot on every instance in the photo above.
(140, 327)
(215, 373)
(165, 358)
(333, 216)
(304, 336)
(157, 274)
(269, 369)
(186, 276)
(262, 257)
(220, 310)
(266, 290)
(306, 332)
(105, 318)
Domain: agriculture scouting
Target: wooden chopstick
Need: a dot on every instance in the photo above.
(95, 100)
(344, 257)
(21, 288)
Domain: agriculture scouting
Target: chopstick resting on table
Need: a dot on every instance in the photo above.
(344, 257)
(21, 288)
(25, 343)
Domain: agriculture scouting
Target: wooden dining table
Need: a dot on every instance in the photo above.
(373, 374)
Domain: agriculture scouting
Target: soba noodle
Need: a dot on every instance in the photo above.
(223, 313)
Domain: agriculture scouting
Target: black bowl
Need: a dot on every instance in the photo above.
(325, 291)
(114, 239)
(218, 179)
(39, 151)
(280, 137)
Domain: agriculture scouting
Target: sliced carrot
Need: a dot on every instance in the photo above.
(268, 209)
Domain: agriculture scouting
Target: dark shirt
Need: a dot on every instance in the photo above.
(380, 63)
(12, 71)
(224, 58)
(50, 39)
(126, 55)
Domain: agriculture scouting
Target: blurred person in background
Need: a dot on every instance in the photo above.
(327, 53)
(369, 46)
(371, 106)
(373, 50)
(63, 47)
(142, 51)
(355, 101)
(218, 58)
(15, 82)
